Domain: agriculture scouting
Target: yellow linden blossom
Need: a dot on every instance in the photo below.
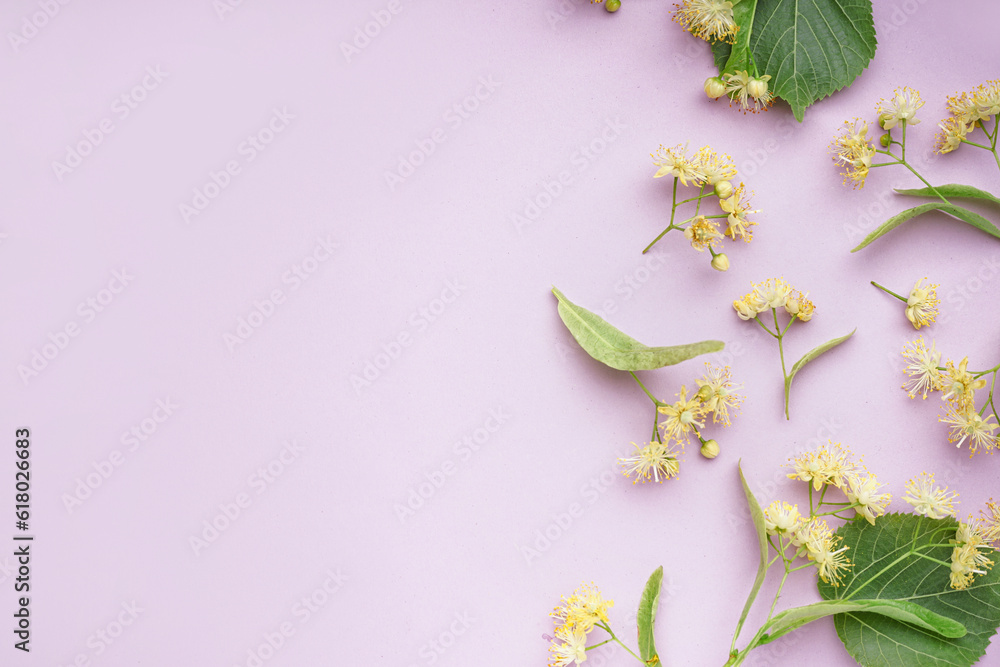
(568, 646)
(922, 368)
(901, 109)
(830, 464)
(707, 19)
(737, 206)
(928, 499)
(952, 134)
(922, 305)
(655, 461)
(782, 517)
(772, 293)
(682, 416)
(675, 162)
(987, 98)
(966, 558)
(713, 166)
(584, 609)
(799, 306)
(745, 309)
(702, 233)
(853, 151)
(967, 424)
(863, 492)
(960, 385)
(715, 390)
(831, 563)
(742, 87)
(990, 522)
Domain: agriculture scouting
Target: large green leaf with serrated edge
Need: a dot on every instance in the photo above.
(646, 617)
(618, 350)
(811, 48)
(876, 640)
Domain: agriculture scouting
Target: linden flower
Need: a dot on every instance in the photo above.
(772, 293)
(584, 609)
(745, 309)
(568, 647)
(951, 136)
(781, 517)
(702, 233)
(967, 424)
(991, 522)
(901, 109)
(737, 206)
(922, 368)
(922, 305)
(831, 563)
(714, 167)
(830, 464)
(966, 558)
(961, 386)
(966, 109)
(715, 390)
(928, 499)
(742, 87)
(682, 416)
(707, 19)
(987, 98)
(675, 162)
(853, 151)
(656, 461)
(799, 306)
(863, 492)
(810, 536)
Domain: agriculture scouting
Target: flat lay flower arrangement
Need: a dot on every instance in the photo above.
(903, 588)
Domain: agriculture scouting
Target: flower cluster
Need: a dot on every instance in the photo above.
(707, 19)
(751, 92)
(958, 387)
(712, 174)
(575, 618)
(853, 150)
(921, 305)
(675, 423)
(772, 294)
(970, 110)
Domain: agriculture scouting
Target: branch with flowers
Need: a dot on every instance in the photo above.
(854, 151)
(711, 173)
(968, 425)
(921, 304)
(774, 294)
(674, 423)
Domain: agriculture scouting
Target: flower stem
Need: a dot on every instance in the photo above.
(673, 209)
(781, 353)
(888, 291)
(655, 400)
(607, 628)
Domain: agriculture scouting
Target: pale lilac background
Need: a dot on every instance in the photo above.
(498, 346)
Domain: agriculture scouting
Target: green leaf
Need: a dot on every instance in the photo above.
(739, 54)
(963, 214)
(952, 190)
(901, 610)
(885, 569)
(646, 618)
(612, 347)
(809, 356)
(757, 516)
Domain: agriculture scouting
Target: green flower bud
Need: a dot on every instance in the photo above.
(723, 189)
(714, 87)
(720, 262)
(757, 88)
(710, 449)
(885, 139)
(612, 5)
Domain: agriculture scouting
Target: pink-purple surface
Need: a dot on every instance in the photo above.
(433, 279)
